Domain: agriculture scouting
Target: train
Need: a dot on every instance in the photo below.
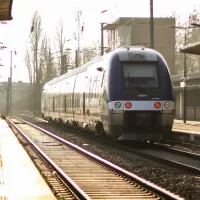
(125, 94)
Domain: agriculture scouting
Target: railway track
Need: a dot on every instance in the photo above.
(169, 156)
(86, 175)
(180, 159)
(188, 146)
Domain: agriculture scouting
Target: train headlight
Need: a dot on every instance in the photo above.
(157, 104)
(167, 104)
(128, 104)
(118, 104)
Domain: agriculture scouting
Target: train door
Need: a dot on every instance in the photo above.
(74, 99)
(50, 105)
(53, 114)
(84, 103)
(65, 104)
(103, 94)
(96, 96)
(60, 100)
(53, 104)
(45, 105)
(104, 102)
(88, 96)
(64, 99)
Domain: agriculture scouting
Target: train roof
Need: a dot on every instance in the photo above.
(72, 72)
(85, 66)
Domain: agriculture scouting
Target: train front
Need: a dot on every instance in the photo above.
(141, 102)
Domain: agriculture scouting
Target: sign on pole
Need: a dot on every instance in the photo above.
(183, 84)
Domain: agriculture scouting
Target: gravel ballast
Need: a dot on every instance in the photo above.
(178, 182)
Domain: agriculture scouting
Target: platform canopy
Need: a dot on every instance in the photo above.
(5, 10)
(193, 48)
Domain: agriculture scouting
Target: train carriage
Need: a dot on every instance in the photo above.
(126, 94)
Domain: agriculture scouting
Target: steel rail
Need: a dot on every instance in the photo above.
(77, 190)
(158, 190)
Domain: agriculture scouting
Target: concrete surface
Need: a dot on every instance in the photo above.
(19, 178)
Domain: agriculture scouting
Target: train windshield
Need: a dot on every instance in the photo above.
(140, 75)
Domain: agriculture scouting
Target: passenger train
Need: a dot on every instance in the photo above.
(126, 94)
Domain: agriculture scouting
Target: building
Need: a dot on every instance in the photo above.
(136, 31)
(21, 96)
(192, 88)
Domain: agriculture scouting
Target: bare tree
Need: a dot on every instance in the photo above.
(28, 64)
(89, 54)
(188, 35)
(47, 65)
(27, 61)
(179, 35)
(194, 36)
(35, 37)
(60, 44)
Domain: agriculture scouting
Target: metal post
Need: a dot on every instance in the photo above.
(36, 95)
(102, 41)
(76, 58)
(62, 71)
(184, 88)
(34, 71)
(8, 93)
(33, 100)
(151, 25)
(10, 109)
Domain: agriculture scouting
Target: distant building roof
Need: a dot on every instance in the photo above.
(118, 22)
(126, 20)
(193, 48)
(5, 10)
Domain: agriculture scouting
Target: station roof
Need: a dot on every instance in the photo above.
(117, 22)
(193, 48)
(5, 10)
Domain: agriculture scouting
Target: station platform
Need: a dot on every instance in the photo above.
(19, 178)
(189, 131)
(188, 127)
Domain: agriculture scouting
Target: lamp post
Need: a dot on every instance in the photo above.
(102, 35)
(151, 25)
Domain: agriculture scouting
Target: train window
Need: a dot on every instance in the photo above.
(83, 102)
(65, 103)
(68, 101)
(90, 87)
(103, 79)
(45, 104)
(97, 88)
(95, 84)
(140, 75)
(53, 104)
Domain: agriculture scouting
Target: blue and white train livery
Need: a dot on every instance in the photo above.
(126, 94)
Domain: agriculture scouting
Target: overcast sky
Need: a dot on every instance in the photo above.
(15, 33)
